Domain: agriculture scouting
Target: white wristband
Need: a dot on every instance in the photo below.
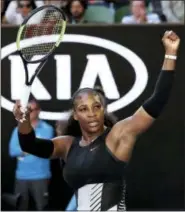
(171, 57)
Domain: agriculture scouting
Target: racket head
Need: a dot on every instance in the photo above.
(43, 22)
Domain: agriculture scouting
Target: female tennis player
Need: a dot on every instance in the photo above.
(73, 129)
(99, 156)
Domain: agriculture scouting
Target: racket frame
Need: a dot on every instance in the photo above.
(24, 23)
(42, 61)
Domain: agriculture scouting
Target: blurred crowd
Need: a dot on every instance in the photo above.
(100, 11)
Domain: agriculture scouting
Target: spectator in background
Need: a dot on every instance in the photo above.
(2, 7)
(118, 3)
(156, 7)
(32, 173)
(174, 11)
(62, 4)
(140, 14)
(77, 10)
(18, 10)
(57, 3)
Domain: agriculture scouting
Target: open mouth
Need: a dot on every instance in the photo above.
(93, 123)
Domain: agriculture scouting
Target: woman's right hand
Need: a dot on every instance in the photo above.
(19, 114)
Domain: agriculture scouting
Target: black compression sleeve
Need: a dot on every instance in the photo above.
(39, 147)
(155, 104)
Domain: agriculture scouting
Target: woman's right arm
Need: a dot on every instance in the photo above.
(57, 147)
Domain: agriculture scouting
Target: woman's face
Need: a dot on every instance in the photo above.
(89, 112)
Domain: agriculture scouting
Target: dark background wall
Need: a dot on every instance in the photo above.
(155, 177)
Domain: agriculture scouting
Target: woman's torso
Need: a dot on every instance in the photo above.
(94, 164)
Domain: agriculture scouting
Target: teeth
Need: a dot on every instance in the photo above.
(93, 124)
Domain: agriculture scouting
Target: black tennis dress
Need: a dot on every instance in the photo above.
(96, 176)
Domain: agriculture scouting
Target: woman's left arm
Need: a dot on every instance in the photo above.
(152, 108)
(126, 131)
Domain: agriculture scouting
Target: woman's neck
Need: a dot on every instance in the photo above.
(88, 138)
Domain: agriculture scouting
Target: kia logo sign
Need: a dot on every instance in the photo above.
(141, 74)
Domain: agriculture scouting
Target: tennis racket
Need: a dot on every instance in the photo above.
(37, 38)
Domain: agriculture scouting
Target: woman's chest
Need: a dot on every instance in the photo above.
(92, 164)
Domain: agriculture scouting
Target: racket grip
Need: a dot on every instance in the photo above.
(25, 96)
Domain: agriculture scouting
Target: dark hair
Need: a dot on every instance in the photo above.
(102, 94)
(73, 127)
(86, 90)
(32, 3)
(61, 127)
(84, 3)
(99, 90)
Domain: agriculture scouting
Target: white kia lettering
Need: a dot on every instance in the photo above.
(18, 78)
(137, 64)
(63, 80)
(98, 65)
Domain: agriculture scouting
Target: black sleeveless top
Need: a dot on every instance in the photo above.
(92, 164)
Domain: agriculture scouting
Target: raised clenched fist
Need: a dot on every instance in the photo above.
(171, 42)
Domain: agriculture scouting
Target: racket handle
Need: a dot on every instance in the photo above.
(25, 96)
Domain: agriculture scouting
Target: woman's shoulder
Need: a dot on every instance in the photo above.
(64, 138)
(62, 145)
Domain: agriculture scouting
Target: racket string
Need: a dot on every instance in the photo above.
(50, 23)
